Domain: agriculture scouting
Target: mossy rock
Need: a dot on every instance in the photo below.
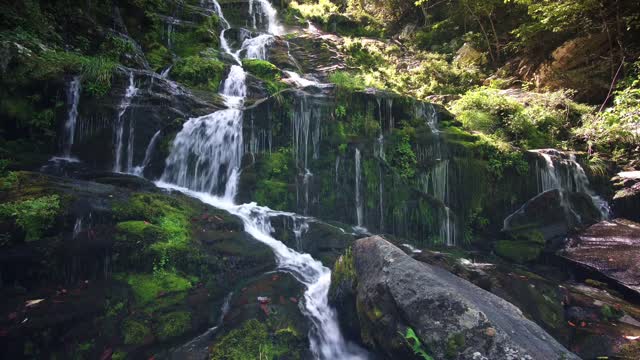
(135, 332)
(519, 251)
(255, 339)
(147, 287)
(173, 325)
(199, 72)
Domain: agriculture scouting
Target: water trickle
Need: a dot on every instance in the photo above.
(429, 114)
(130, 93)
(562, 171)
(300, 227)
(436, 183)
(73, 98)
(359, 209)
(139, 170)
(165, 73)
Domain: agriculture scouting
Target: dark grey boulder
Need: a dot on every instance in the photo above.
(452, 318)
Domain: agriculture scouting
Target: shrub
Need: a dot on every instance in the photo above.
(34, 216)
(347, 81)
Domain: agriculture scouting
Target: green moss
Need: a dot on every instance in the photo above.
(518, 251)
(34, 216)
(134, 332)
(199, 72)
(147, 287)
(119, 355)
(454, 344)
(140, 231)
(344, 270)
(158, 56)
(262, 69)
(173, 324)
(253, 340)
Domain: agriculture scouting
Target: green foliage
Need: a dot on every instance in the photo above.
(255, 340)
(344, 269)
(402, 158)
(319, 11)
(134, 332)
(173, 324)
(262, 69)
(267, 72)
(199, 72)
(34, 216)
(541, 123)
(347, 81)
(147, 287)
(616, 128)
(413, 341)
(114, 47)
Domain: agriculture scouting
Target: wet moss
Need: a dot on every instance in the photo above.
(147, 287)
(199, 72)
(254, 340)
(518, 251)
(135, 332)
(173, 325)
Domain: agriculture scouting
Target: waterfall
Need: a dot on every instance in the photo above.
(206, 154)
(205, 163)
(131, 91)
(359, 210)
(139, 170)
(265, 11)
(256, 48)
(563, 172)
(300, 227)
(436, 183)
(428, 113)
(73, 98)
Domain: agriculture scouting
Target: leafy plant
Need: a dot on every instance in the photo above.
(415, 344)
(34, 216)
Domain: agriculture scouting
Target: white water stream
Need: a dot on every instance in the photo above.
(205, 163)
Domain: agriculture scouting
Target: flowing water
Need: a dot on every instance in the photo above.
(205, 163)
(359, 210)
(73, 98)
(563, 172)
(139, 170)
(130, 93)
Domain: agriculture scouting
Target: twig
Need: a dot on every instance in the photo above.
(613, 84)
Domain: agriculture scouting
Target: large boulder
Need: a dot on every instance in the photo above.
(611, 249)
(408, 309)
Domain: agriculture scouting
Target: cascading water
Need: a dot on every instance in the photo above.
(139, 170)
(130, 93)
(205, 162)
(563, 172)
(73, 98)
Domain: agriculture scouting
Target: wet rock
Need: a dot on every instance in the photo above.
(398, 297)
(551, 215)
(626, 201)
(610, 249)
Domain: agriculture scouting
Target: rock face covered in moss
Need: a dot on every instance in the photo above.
(407, 308)
(126, 268)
